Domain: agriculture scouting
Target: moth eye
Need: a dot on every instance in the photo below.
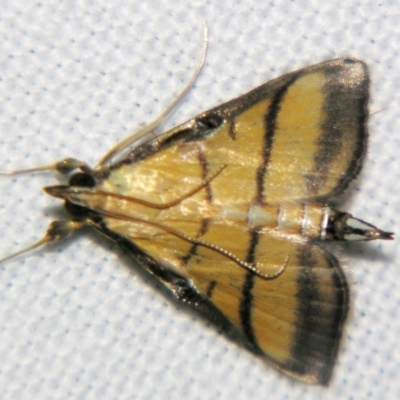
(82, 179)
(210, 121)
(75, 210)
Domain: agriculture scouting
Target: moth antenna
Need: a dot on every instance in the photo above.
(64, 167)
(56, 231)
(150, 128)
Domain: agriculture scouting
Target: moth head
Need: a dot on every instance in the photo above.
(77, 180)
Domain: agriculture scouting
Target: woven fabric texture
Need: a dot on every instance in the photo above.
(77, 321)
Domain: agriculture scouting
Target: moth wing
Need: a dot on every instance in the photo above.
(300, 136)
(295, 320)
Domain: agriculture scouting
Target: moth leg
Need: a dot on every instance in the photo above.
(63, 167)
(181, 289)
(151, 128)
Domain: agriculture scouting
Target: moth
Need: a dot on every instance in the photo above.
(229, 210)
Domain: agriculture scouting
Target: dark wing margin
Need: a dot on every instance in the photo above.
(320, 326)
(345, 130)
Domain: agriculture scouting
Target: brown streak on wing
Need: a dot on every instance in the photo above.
(193, 249)
(270, 130)
(204, 167)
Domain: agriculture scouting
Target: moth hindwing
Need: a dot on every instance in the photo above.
(227, 210)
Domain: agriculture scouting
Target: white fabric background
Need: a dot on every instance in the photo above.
(76, 322)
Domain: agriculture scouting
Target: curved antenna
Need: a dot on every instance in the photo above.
(148, 129)
(64, 167)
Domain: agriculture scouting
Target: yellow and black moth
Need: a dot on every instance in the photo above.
(229, 209)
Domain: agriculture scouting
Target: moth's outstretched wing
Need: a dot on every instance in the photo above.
(295, 320)
(300, 136)
(182, 205)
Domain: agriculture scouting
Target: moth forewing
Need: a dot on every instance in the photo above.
(227, 209)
